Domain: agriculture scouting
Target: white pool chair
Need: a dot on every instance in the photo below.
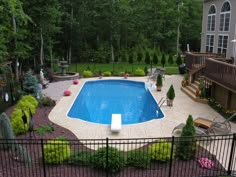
(116, 123)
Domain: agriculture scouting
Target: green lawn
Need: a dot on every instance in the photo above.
(117, 68)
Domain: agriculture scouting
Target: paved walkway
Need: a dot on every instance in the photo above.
(182, 108)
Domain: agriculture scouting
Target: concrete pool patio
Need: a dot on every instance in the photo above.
(183, 106)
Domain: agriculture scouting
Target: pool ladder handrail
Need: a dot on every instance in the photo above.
(161, 102)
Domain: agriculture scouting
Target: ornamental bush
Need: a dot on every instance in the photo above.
(187, 145)
(107, 73)
(26, 105)
(56, 151)
(30, 84)
(87, 73)
(139, 159)
(139, 72)
(81, 158)
(47, 101)
(160, 151)
(116, 160)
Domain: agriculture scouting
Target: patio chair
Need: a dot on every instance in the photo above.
(205, 127)
(216, 127)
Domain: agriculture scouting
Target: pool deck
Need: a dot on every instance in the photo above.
(183, 106)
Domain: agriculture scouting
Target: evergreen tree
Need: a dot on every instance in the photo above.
(187, 145)
(155, 58)
(30, 83)
(131, 60)
(139, 56)
(179, 60)
(170, 59)
(147, 58)
(163, 60)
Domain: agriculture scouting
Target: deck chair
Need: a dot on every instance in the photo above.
(205, 127)
(216, 127)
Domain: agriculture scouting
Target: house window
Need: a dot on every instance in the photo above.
(210, 43)
(222, 44)
(211, 18)
(225, 17)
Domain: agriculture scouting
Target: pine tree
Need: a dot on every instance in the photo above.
(147, 58)
(170, 59)
(163, 60)
(155, 58)
(179, 60)
(187, 145)
(30, 84)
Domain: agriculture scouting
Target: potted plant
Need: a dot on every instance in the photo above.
(159, 82)
(170, 96)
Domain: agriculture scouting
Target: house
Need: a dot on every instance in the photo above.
(219, 27)
(216, 64)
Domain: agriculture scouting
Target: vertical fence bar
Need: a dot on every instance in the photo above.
(171, 154)
(107, 156)
(231, 155)
(43, 160)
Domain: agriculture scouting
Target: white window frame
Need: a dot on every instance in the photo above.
(221, 44)
(209, 44)
(211, 19)
(224, 25)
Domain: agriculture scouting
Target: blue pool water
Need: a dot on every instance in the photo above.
(98, 100)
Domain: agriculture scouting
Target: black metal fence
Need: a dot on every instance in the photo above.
(147, 157)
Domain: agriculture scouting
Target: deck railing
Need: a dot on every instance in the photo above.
(151, 157)
(221, 72)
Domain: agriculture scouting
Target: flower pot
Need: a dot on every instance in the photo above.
(158, 87)
(169, 102)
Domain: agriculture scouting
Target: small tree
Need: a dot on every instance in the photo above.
(139, 56)
(159, 82)
(187, 145)
(163, 60)
(179, 60)
(147, 58)
(30, 84)
(170, 59)
(171, 93)
(155, 58)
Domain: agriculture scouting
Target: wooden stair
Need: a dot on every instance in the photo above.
(191, 89)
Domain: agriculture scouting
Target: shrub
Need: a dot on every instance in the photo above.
(163, 60)
(187, 144)
(44, 128)
(30, 99)
(139, 159)
(160, 151)
(17, 123)
(26, 105)
(171, 93)
(179, 60)
(81, 158)
(139, 72)
(47, 101)
(107, 73)
(56, 151)
(116, 160)
(30, 84)
(87, 73)
(159, 80)
(170, 59)
(67, 93)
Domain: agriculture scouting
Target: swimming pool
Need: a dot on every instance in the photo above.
(98, 100)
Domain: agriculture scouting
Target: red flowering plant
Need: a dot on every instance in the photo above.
(67, 93)
(205, 163)
(126, 75)
(75, 81)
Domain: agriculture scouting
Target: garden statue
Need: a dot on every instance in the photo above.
(43, 81)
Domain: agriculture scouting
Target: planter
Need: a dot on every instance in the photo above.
(67, 93)
(169, 102)
(158, 87)
(75, 81)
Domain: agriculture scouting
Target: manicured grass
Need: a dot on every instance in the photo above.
(117, 68)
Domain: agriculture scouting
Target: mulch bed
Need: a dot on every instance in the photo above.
(12, 167)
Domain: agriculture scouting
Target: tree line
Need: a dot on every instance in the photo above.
(39, 31)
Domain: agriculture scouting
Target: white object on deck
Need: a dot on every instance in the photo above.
(116, 122)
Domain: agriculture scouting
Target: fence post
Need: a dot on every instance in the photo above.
(107, 156)
(171, 154)
(44, 166)
(232, 151)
